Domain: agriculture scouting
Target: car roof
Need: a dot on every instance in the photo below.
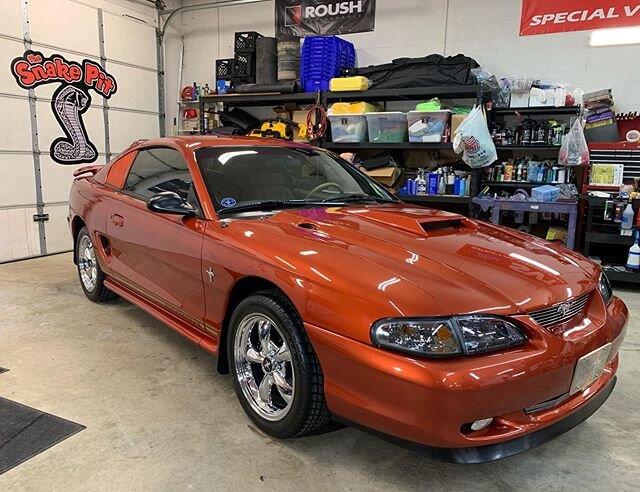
(192, 142)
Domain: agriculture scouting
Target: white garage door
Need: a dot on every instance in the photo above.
(33, 197)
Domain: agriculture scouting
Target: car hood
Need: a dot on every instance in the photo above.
(466, 266)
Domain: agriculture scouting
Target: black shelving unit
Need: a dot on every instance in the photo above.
(436, 199)
(603, 239)
(387, 146)
(530, 148)
(513, 184)
(411, 94)
(567, 110)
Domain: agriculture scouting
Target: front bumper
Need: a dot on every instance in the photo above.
(431, 402)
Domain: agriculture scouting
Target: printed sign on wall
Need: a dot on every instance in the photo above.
(549, 16)
(70, 100)
(298, 18)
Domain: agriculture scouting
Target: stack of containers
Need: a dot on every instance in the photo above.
(323, 58)
(241, 69)
(349, 121)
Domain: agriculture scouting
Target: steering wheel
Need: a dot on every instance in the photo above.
(324, 186)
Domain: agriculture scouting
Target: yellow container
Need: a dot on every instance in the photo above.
(342, 84)
(353, 108)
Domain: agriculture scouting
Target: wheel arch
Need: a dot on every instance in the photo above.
(76, 225)
(242, 288)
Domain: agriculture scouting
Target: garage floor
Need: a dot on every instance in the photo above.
(159, 417)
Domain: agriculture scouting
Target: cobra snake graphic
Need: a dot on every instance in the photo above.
(69, 103)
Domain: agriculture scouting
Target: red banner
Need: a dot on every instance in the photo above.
(548, 16)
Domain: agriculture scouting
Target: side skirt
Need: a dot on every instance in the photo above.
(209, 344)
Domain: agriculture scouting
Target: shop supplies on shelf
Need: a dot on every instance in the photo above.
(527, 170)
(574, 150)
(473, 140)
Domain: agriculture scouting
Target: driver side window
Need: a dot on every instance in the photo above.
(160, 169)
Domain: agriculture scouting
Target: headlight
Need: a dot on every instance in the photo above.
(441, 337)
(605, 288)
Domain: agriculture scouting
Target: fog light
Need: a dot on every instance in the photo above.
(481, 424)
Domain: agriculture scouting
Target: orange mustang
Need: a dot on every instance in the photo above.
(326, 297)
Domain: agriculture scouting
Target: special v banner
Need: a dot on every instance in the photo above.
(549, 16)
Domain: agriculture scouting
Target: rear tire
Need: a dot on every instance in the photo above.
(276, 374)
(89, 272)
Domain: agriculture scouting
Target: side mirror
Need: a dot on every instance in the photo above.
(169, 202)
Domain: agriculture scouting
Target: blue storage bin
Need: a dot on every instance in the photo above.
(324, 58)
(546, 193)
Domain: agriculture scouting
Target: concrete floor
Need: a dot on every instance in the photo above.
(158, 417)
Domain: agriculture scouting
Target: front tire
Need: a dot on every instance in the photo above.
(276, 374)
(89, 272)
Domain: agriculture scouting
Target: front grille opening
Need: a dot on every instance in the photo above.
(561, 312)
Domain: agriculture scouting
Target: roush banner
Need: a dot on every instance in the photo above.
(321, 17)
(549, 16)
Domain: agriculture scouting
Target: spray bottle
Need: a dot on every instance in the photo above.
(633, 261)
(421, 183)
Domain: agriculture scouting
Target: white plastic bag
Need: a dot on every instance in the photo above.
(473, 140)
(574, 150)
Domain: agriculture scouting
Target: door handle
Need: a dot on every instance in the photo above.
(117, 220)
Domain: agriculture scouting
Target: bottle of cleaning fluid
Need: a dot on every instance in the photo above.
(421, 183)
(627, 217)
(433, 184)
(633, 261)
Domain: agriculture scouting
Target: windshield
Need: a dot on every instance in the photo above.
(243, 176)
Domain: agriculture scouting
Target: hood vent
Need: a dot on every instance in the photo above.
(308, 226)
(441, 225)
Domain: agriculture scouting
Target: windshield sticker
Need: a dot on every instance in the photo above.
(227, 202)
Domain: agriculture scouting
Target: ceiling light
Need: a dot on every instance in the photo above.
(615, 37)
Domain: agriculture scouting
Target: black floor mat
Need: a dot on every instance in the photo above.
(2, 369)
(26, 432)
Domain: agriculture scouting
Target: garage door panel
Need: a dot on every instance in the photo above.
(126, 127)
(10, 18)
(56, 180)
(8, 51)
(49, 22)
(121, 34)
(137, 89)
(19, 169)
(49, 129)
(57, 229)
(17, 135)
(18, 234)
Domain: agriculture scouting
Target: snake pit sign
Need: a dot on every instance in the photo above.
(70, 100)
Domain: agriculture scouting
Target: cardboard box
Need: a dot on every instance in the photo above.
(542, 97)
(557, 234)
(385, 175)
(456, 119)
(299, 116)
(519, 99)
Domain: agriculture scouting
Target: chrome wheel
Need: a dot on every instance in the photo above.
(87, 265)
(263, 367)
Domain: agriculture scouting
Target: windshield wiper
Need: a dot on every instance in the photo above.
(357, 198)
(267, 205)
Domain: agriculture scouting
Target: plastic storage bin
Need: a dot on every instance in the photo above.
(390, 127)
(323, 58)
(546, 193)
(348, 128)
(428, 126)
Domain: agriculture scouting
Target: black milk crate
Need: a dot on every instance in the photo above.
(244, 65)
(225, 68)
(245, 42)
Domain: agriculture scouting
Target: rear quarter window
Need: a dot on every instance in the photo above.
(119, 170)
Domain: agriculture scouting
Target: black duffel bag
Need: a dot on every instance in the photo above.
(429, 71)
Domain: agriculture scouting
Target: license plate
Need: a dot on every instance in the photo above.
(589, 368)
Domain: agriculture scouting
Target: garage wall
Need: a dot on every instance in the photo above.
(71, 28)
(486, 31)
